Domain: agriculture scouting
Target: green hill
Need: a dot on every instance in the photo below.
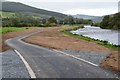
(22, 8)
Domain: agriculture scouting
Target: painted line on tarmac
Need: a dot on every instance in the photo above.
(76, 58)
(30, 71)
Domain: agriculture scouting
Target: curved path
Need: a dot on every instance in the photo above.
(46, 63)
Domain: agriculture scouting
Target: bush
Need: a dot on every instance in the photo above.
(105, 42)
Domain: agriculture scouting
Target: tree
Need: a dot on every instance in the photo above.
(43, 21)
(69, 20)
(60, 21)
(52, 20)
(15, 22)
(105, 22)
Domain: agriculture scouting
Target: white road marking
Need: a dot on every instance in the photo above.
(76, 57)
(30, 71)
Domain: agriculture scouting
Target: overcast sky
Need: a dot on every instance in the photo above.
(88, 7)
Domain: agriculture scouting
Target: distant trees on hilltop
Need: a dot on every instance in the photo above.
(70, 20)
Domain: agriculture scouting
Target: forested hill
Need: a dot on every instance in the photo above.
(19, 7)
(111, 21)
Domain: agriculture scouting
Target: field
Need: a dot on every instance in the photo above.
(5, 30)
(13, 15)
(7, 14)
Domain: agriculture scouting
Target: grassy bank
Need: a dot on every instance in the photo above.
(5, 30)
(71, 27)
(103, 43)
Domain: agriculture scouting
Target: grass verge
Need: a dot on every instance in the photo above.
(5, 30)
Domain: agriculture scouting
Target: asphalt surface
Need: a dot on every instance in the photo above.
(12, 66)
(47, 63)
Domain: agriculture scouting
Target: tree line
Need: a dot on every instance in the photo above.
(110, 22)
(22, 20)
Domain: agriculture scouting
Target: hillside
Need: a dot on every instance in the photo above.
(19, 7)
(94, 18)
(111, 21)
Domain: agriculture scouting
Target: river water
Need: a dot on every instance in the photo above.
(97, 33)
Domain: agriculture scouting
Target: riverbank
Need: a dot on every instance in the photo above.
(106, 35)
(103, 43)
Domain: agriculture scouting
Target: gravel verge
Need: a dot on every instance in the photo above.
(12, 66)
(94, 57)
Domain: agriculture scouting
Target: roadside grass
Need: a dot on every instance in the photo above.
(66, 30)
(5, 30)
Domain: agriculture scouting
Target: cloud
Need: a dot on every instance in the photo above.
(95, 12)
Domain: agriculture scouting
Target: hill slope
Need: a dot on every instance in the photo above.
(19, 7)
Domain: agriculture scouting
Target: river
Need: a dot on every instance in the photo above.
(97, 33)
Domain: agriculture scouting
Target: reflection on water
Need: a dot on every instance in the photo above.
(97, 33)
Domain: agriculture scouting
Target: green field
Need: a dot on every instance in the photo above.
(13, 15)
(7, 14)
(12, 29)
